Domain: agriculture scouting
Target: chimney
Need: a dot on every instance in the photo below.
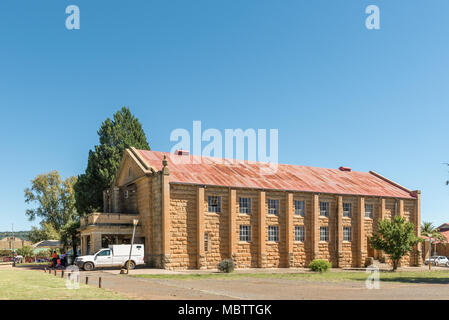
(182, 152)
(345, 169)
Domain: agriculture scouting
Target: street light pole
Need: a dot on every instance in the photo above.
(12, 246)
(430, 251)
(135, 222)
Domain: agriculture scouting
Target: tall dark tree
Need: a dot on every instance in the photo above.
(122, 132)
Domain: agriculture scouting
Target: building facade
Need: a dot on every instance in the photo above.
(196, 211)
(13, 243)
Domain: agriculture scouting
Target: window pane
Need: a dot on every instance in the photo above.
(368, 210)
(273, 233)
(347, 209)
(245, 233)
(214, 203)
(273, 206)
(299, 208)
(299, 233)
(244, 205)
(324, 234)
(324, 209)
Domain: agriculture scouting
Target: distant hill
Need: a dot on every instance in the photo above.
(24, 235)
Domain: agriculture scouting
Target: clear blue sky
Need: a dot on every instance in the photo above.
(338, 93)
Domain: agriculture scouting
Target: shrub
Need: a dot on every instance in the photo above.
(226, 265)
(320, 265)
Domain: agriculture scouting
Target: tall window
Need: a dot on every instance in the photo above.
(245, 233)
(324, 233)
(299, 233)
(245, 205)
(273, 206)
(369, 210)
(214, 203)
(324, 209)
(273, 233)
(206, 241)
(347, 209)
(347, 234)
(299, 208)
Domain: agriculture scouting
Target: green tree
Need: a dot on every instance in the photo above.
(115, 135)
(26, 252)
(395, 237)
(45, 232)
(55, 200)
(428, 230)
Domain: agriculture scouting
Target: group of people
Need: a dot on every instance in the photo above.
(58, 260)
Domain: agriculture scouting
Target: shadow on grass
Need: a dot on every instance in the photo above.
(429, 280)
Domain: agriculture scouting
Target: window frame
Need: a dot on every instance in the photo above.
(326, 210)
(273, 233)
(326, 233)
(276, 207)
(247, 233)
(347, 236)
(248, 203)
(349, 213)
(217, 206)
(298, 238)
(295, 202)
(371, 216)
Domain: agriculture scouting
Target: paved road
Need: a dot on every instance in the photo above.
(266, 288)
(259, 288)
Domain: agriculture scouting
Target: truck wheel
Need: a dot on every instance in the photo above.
(132, 265)
(88, 266)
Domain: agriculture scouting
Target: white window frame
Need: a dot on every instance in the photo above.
(371, 215)
(244, 205)
(245, 233)
(347, 233)
(300, 208)
(324, 234)
(300, 233)
(324, 208)
(273, 209)
(273, 233)
(348, 211)
(216, 208)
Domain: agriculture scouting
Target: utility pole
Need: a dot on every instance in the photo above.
(135, 222)
(12, 246)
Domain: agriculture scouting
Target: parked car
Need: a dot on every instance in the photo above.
(114, 256)
(437, 261)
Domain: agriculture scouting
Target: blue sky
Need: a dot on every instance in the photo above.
(339, 94)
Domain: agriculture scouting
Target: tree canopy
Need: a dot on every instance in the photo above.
(54, 200)
(396, 237)
(115, 135)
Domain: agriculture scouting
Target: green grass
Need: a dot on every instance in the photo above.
(399, 276)
(36, 285)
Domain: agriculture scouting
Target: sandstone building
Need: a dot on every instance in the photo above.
(193, 212)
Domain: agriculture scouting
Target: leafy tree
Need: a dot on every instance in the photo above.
(45, 232)
(395, 237)
(428, 230)
(55, 199)
(25, 251)
(115, 135)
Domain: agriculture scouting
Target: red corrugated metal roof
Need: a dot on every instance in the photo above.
(247, 174)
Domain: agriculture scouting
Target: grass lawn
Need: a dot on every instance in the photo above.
(31, 285)
(399, 276)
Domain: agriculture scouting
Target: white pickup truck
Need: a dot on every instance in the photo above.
(116, 255)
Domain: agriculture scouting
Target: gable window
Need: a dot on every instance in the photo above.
(369, 210)
(299, 208)
(214, 203)
(273, 233)
(245, 205)
(324, 233)
(299, 233)
(273, 206)
(245, 233)
(347, 234)
(347, 209)
(324, 209)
